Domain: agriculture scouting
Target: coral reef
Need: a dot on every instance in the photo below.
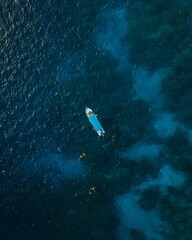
(153, 27)
(177, 87)
(177, 209)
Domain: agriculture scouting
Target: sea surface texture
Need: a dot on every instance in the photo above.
(131, 63)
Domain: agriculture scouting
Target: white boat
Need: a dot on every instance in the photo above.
(94, 121)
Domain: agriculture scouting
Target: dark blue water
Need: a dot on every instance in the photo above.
(131, 63)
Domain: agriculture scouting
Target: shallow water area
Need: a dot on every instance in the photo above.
(58, 178)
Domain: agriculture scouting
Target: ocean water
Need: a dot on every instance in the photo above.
(129, 61)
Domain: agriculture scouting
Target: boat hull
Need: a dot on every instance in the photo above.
(95, 122)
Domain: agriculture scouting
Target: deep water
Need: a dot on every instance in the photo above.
(129, 61)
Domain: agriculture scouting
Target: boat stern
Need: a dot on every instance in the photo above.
(101, 133)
